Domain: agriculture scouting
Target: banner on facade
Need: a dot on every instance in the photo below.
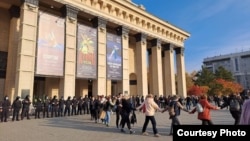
(86, 52)
(50, 47)
(114, 57)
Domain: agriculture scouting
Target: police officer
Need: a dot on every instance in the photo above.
(74, 104)
(68, 103)
(26, 107)
(80, 105)
(46, 107)
(16, 106)
(54, 104)
(39, 108)
(61, 106)
(5, 109)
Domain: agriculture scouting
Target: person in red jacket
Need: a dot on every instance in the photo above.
(205, 116)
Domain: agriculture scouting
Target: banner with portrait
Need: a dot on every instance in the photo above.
(114, 57)
(86, 52)
(50, 46)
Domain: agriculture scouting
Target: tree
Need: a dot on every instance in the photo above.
(189, 79)
(204, 77)
(228, 87)
(222, 73)
(197, 90)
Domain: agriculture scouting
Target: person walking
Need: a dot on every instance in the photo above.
(174, 109)
(234, 102)
(108, 108)
(205, 116)
(245, 114)
(150, 107)
(126, 109)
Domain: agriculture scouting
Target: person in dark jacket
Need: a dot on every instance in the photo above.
(5, 109)
(118, 109)
(61, 106)
(126, 109)
(235, 113)
(80, 105)
(46, 107)
(68, 103)
(39, 108)
(54, 104)
(16, 106)
(74, 105)
(26, 107)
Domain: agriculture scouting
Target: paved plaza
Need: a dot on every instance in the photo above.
(81, 128)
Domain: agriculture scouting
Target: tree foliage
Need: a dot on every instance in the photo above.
(222, 73)
(220, 83)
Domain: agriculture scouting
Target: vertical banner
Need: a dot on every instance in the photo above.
(114, 57)
(50, 47)
(86, 52)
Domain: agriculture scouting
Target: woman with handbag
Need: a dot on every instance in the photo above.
(205, 116)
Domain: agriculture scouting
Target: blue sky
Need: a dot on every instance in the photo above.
(217, 27)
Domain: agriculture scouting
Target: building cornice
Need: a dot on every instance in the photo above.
(126, 13)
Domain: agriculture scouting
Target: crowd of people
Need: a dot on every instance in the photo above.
(123, 106)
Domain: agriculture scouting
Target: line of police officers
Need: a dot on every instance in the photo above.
(49, 107)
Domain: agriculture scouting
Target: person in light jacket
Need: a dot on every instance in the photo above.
(150, 108)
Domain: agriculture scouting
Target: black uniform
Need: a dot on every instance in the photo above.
(61, 107)
(46, 107)
(26, 107)
(74, 104)
(39, 108)
(54, 104)
(68, 103)
(79, 106)
(86, 105)
(16, 106)
(5, 109)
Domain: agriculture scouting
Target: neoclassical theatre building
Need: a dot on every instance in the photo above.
(88, 47)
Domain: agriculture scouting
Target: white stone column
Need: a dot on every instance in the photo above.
(156, 67)
(12, 52)
(181, 73)
(168, 69)
(124, 84)
(26, 48)
(70, 14)
(141, 64)
(100, 84)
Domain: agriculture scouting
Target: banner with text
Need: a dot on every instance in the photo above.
(86, 52)
(114, 57)
(50, 47)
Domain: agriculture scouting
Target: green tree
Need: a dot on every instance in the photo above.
(204, 77)
(222, 73)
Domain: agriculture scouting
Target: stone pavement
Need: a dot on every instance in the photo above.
(81, 128)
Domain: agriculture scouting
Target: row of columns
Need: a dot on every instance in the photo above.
(25, 28)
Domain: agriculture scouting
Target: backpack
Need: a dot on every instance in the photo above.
(199, 108)
(234, 105)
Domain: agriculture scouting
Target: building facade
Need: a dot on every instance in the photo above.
(88, 47)
(237, 63)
